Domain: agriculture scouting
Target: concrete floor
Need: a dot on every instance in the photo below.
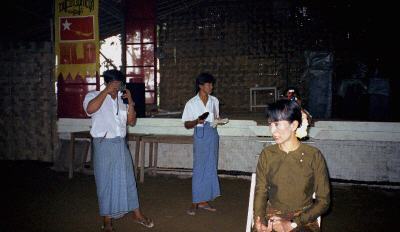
(35, 198)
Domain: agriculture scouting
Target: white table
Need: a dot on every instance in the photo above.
(253, 96)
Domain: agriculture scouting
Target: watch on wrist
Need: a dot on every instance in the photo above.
(293, 224)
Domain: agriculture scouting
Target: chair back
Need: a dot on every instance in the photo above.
(250, 220)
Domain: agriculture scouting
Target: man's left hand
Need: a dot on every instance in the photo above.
(127, 95)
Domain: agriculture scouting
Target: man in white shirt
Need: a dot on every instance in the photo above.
(112, 161)
(205, 184)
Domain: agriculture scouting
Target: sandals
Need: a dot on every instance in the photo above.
(191, 211)
(146, 222)
(207, 207)
(105, 229)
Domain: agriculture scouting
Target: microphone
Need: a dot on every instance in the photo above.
(204, 116)
(122, 88)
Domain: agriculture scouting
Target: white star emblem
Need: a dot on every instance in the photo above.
(66, 25)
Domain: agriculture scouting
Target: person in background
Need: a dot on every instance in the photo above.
(291, 94)
(288, 174)
(112, 162)
(379, 95)
(302, 131)
(200, 113)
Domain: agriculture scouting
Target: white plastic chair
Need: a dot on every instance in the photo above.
(250, 221)
(319, 218)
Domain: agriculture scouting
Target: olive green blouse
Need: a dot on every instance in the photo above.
(287, 182)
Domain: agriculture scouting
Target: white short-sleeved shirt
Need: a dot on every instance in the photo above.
(106, 120)
(195, 107)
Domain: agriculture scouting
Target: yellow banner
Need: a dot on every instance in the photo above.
(77, 38)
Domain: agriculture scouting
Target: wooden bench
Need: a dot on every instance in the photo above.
(140, 149)
(137, 138)
(77, 135)
(86, 135)
(153, 141)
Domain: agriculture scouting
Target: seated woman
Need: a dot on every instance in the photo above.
(288, 173)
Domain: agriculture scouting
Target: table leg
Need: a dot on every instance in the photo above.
(72, 156)
(137, 153)
(251, 100)
(151, 157)
(255, 98)
(143, 158)
(85, 155)
(155, 157)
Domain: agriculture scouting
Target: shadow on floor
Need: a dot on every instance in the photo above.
(39, 199)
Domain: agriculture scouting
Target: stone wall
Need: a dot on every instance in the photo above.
(28, 102)
(242, 43)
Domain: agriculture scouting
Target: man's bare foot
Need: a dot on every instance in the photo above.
(192, 210)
